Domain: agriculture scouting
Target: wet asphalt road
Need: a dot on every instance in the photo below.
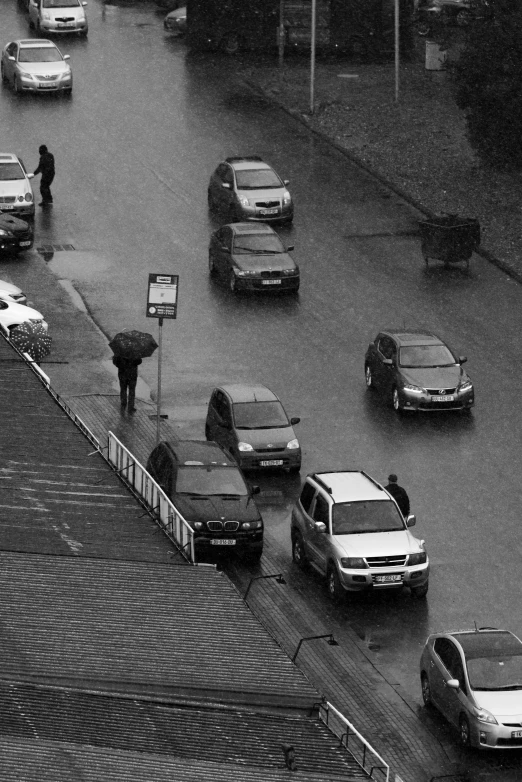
(134, 149)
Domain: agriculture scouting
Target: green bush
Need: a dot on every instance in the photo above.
(488, 82)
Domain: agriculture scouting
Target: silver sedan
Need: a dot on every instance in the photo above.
(36, 65)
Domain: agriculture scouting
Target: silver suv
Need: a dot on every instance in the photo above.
(351, 530)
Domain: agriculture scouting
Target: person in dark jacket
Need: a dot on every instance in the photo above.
(398, 494)
(128, 377)
(46, 169)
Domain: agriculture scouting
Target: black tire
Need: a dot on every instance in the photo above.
(211, 266)
(16, 86)
(232, 215)
(298, 551)
(230, 43)
(426, 690)
(464, 731)
(207, 433)
(335, 590)
(2, 74)
(423, 29)
(419, 592)
(368, 377)
(294, 470)
(210, 201)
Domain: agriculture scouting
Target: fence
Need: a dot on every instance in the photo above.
(136, 476)
(354, 743)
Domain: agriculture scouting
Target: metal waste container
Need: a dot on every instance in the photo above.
(435, 57)
(449, 238)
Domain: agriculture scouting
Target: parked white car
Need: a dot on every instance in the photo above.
(12, 314)
(58, 16)
(12, 293)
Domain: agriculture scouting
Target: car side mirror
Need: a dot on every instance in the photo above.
(290, 248)
(30, 176)
(295, 421)
(66, 56)
(84, 4)
(387, 361)
(11, 58)
(286, 181)
(255, 489)
(463, 359)
(453, 684)
(320, 526)
(224, 248)
(226, 185)
(411, 520)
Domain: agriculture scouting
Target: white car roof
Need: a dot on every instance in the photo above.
(351, 486)
(8, 157)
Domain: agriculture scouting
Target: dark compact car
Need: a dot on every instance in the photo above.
(252, 257)
(247, 188)
(15, 235)
(209, 490)
(417, 371)
(251, 424)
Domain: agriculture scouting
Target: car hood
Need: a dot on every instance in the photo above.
(44, 68)
(263, 438)
(216, 508)
(14, 187)
(75, 12)
(434, 377)
(502, 703)
(378, 544)
(11, 223)
(19, 312)
(272, 194)
(275, 262)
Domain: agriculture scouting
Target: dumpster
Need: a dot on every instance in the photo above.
(449, 238)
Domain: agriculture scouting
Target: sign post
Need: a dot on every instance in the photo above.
(162, 302)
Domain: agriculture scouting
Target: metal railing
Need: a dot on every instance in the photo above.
(350, 738)
(155, 500)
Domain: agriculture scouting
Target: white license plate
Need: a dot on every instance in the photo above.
(269, 211)
(25, 244)
(5, 206)
(272, 463)
(45, 86)
(271, 282)
(449, 398)
(516, 734)
(222, 542)
(387, 578)
(66, 24)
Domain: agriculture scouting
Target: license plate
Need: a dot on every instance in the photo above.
(388, 577)
(449, 398)
(25, 244)
(516, 734)
(66, 24)
(269, 211)
(5, 206)
(222, 542)
(272, 463)
(271, 282)
(45, 86)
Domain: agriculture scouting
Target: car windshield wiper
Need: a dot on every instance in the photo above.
(268, 252)
(247, 249)
(509, 687)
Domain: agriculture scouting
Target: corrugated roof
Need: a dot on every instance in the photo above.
(242, 737)
(172, 631)
(53, 488)
(42, 761)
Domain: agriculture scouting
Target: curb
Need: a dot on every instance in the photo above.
(302, 118)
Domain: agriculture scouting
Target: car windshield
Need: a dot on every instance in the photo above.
(43, 54)
(257, 179)
(259, 244)
(356, 518)
(417, 356)
(61, 3)
(9, 171)
(496, 672)
(207, 481)
(259, 415)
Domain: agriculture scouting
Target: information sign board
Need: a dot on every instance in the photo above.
(162, 297)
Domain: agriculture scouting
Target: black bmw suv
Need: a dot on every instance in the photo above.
(209, 490)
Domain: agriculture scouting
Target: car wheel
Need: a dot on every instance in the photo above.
(208, 436)
(298, 551)
(2, 73)
(463, 18)
(426, 690)
(335, 590)
(210, 201)
(396, 402)
(232, 215)
(232, 283)
(368, 377)
(230, 43)
(211, 265)
(295, 469)
(464, 731)
(423, 29)
(16, 86)
(419, 592)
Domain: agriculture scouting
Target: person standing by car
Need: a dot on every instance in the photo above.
(128, 377)
(46, 169)
(399, 494)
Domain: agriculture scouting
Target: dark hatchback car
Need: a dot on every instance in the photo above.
(252, 258)
(209, 490)
(417, 371)
(15, 235)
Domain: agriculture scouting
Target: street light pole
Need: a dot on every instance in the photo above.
(312, 58)
(397, 58)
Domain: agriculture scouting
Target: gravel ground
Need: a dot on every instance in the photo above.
(417, 144)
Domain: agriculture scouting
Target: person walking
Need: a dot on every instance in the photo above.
(46, 169)
(399, 495)
(128, 377)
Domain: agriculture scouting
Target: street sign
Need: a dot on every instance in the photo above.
(162, 297)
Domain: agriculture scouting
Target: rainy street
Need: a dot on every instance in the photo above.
(135, 146)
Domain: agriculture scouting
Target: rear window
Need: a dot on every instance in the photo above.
(355, 518)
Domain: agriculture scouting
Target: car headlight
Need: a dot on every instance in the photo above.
(65, 75)
(289, 272)
(466, 386)
(244, 201)
(353, 562)
(5, 233)
(417, 559)
(245, 272)
(198, 525)
(483, 715)
(28, 196)
(244, 447)
(415, 389)
(251, 524)
(287, 198)
(46, 16)
(293, 444)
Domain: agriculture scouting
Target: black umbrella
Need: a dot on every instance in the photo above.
(31, 338)
(133, 344)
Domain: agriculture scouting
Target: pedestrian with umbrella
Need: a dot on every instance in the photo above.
(31, 338)
(129, 347)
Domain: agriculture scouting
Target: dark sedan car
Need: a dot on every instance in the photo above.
(417, 371)
(252, 257)
(15, 235)
(207, 487)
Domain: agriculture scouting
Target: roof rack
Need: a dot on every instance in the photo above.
(243, 158)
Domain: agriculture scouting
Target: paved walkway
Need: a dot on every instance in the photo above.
(343, 673)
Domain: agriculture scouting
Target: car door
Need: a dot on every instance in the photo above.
(220, 424)
(318, 541)
(223, 251)
(446, 664)
(386, 350)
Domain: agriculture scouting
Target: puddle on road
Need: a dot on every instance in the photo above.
(78, 264)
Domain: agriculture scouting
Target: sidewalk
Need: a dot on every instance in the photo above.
(342, 673)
